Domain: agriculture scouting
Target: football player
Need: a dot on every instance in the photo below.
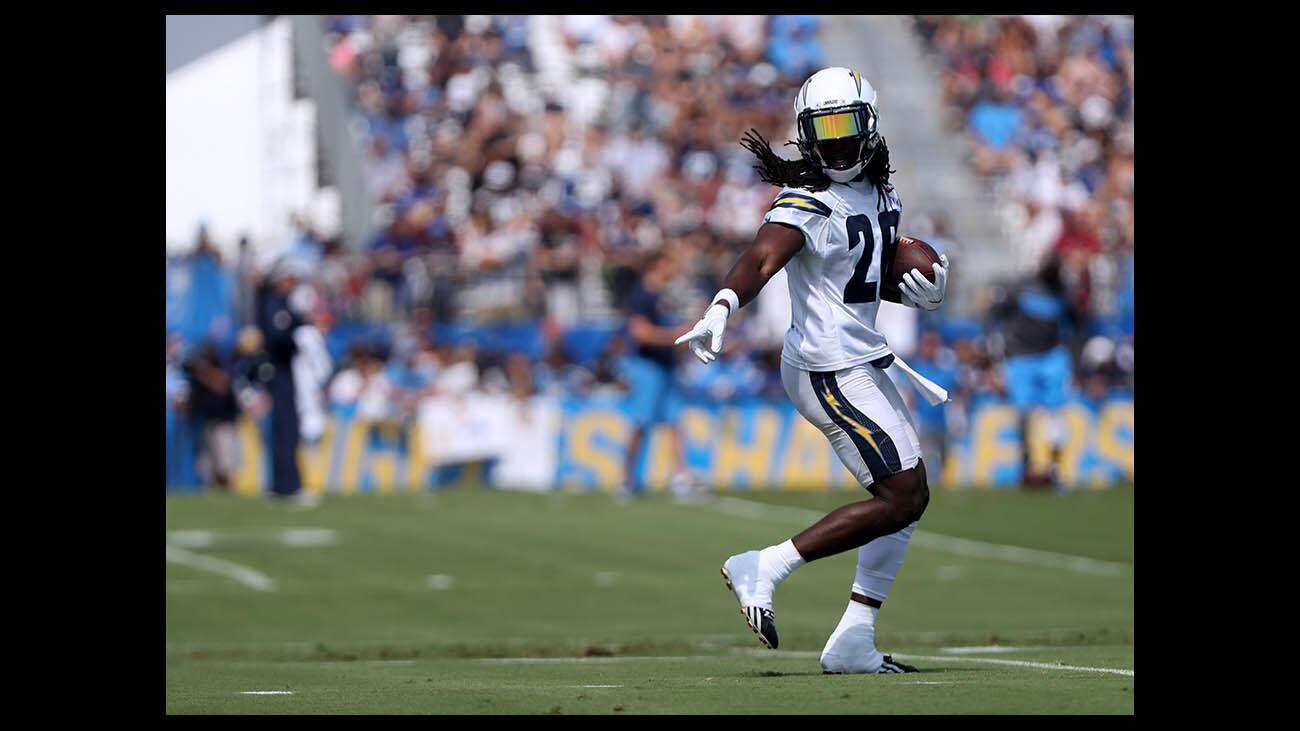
(832, 225)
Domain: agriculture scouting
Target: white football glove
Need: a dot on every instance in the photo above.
(918, 291)
(706, 337)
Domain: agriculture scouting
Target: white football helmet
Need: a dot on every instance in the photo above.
(835, 111)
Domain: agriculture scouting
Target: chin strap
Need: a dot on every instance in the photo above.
(853, 173)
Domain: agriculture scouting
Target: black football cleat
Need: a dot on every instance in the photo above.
(763, 622)
(890, 665)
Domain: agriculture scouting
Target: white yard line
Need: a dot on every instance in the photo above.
(1016, 663)
(985, 649)
(440, 582)
(938, 542)
(786, 655)
(266, 692)
(307, 537)
(589, 660)
(1019, 554)
(761, 652)
(251, 578)
(292, 537)
(753, 509)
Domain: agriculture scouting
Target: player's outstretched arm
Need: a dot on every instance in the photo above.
(773, 247)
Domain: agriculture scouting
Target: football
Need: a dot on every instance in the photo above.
(908, 254)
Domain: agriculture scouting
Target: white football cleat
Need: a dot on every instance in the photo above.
(741, 572)
(853, 652)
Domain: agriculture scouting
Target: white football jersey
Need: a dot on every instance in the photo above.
(835, 278)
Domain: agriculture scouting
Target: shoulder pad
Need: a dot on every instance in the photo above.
(801, 202)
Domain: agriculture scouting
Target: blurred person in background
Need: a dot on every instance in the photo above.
(203, 288)
(601, 379)
(213, 409)
(519, 377)
(1033, 318)
(1124, 362)
(1101, 375)
(177, 394)
(605, 378)
(458, 370)
(365, 385)
(412, 376)
(246, 276)
(978, 375)
(652, 371)
(556, 374)
(252, 373)
(278, 320)
(305, 244)
(557, 260)
(939, 364)
(312, 368)
(178, 386)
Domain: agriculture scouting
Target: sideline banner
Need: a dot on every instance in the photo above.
(580, 444)
(767, 445)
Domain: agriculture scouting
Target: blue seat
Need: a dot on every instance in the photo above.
(585, 342)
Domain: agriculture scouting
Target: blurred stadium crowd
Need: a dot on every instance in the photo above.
(1047, 104)
(526, 168)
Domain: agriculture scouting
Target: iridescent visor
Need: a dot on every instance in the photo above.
(834, 126)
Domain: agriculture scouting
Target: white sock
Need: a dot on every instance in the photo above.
(776, 562)
(852, 646)
(879, 562)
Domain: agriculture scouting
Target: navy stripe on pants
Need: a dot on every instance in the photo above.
(881, 464)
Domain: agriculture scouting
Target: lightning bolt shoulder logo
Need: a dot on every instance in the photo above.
(801, 202)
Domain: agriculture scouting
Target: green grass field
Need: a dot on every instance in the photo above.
(477, 601)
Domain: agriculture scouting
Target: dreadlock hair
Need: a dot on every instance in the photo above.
(801, 173)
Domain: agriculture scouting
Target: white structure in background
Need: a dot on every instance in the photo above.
(520, 434)
(241, 151)
(899, 326)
